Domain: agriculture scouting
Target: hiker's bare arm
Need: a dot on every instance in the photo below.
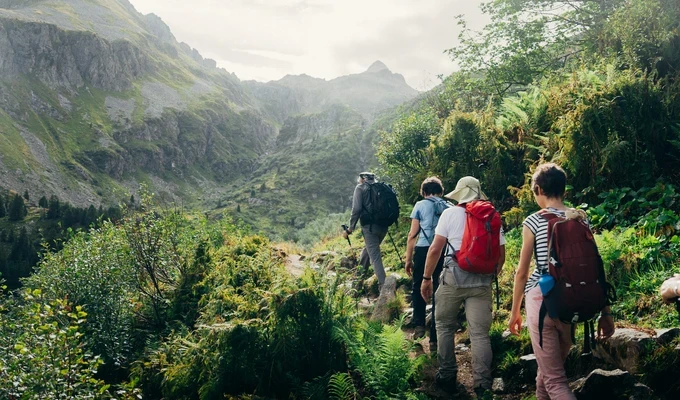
(501, 261)
(411, 244)
(670, 289)
(430, 264)
(605, 324)
(521, 277)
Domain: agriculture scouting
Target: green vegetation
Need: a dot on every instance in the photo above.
(191, 308)
(180, 305)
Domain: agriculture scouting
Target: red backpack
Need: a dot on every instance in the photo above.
(580, 290)
(480, 251)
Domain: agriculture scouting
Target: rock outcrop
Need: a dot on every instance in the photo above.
(624, 349)
(617, 384)
(383, 311)
(67, 59)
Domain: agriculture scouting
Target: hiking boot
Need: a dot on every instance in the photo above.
(419, 332)
(449, 386)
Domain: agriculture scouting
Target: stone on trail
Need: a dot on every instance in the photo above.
(665, 336)
(382, 311)
(498, 386)
(616, 384)
(624, 349)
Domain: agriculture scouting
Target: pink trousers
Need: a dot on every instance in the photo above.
(551, 380)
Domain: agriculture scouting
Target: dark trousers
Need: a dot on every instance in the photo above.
(419, 257)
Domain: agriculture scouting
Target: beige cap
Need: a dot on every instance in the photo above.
(467, 189)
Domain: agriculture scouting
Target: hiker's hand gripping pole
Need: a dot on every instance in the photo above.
(347, 232)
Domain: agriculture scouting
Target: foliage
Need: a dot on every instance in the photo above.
(379, 355)
(94, 271)
(41, 351)
(637, 264)
(321, 229)
(402, 151)
(652, 210)
(661, 366)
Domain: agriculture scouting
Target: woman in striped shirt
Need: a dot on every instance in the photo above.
(548, 184)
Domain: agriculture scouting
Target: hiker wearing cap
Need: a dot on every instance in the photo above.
(462, 287)
(551, 337)
(424, 218)
(374, 234)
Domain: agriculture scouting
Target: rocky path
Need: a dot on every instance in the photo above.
(294, 265)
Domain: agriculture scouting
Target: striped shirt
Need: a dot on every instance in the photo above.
(539, 227)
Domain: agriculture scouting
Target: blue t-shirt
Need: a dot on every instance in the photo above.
(423, 211)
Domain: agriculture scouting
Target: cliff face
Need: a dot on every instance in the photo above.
(68, 59)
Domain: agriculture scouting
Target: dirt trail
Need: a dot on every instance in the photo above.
(465, 381)
(294, 265)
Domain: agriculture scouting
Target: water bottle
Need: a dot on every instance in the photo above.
(546, 283)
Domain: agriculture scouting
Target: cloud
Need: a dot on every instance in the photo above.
(267, 39)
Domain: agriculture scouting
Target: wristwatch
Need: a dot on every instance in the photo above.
(427, 278)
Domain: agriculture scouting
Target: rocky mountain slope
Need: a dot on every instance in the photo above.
(96, 98)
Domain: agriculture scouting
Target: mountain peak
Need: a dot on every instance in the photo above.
(377, 67)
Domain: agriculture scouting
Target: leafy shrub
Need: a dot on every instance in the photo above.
(637, 264)
(42, 354)
(94, 270)
(653, 210)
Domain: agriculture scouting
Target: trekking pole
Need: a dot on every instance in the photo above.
(498, 293)
(395, 248)
(346, 229)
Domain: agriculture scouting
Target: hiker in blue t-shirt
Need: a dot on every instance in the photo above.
(424, 219)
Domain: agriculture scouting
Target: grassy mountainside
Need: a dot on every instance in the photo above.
(96, 98)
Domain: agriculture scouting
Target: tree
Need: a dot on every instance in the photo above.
(17, 209)
(26, 195)
(3, 210)
(43, 203)
(528, 39)
(54, 208)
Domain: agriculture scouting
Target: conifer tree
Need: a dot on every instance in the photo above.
(17, 209)
(3, 210)
(26, 195)
(43, 202)
(53, 210)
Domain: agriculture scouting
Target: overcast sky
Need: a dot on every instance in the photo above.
(267, 39)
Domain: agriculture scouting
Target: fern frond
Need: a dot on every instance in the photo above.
(341, 387)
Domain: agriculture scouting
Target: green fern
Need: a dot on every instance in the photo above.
(341, 387)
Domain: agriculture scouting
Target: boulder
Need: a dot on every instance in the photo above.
(616, 384)
(323, 256)
(408, 318)
(498, 386)
(383, 311)
(665, 336)
(348, 263)
(624, 349)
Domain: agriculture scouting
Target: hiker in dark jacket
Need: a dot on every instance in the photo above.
(373, 234)
(424, 219)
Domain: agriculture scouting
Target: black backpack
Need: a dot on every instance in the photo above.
(381, 206)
